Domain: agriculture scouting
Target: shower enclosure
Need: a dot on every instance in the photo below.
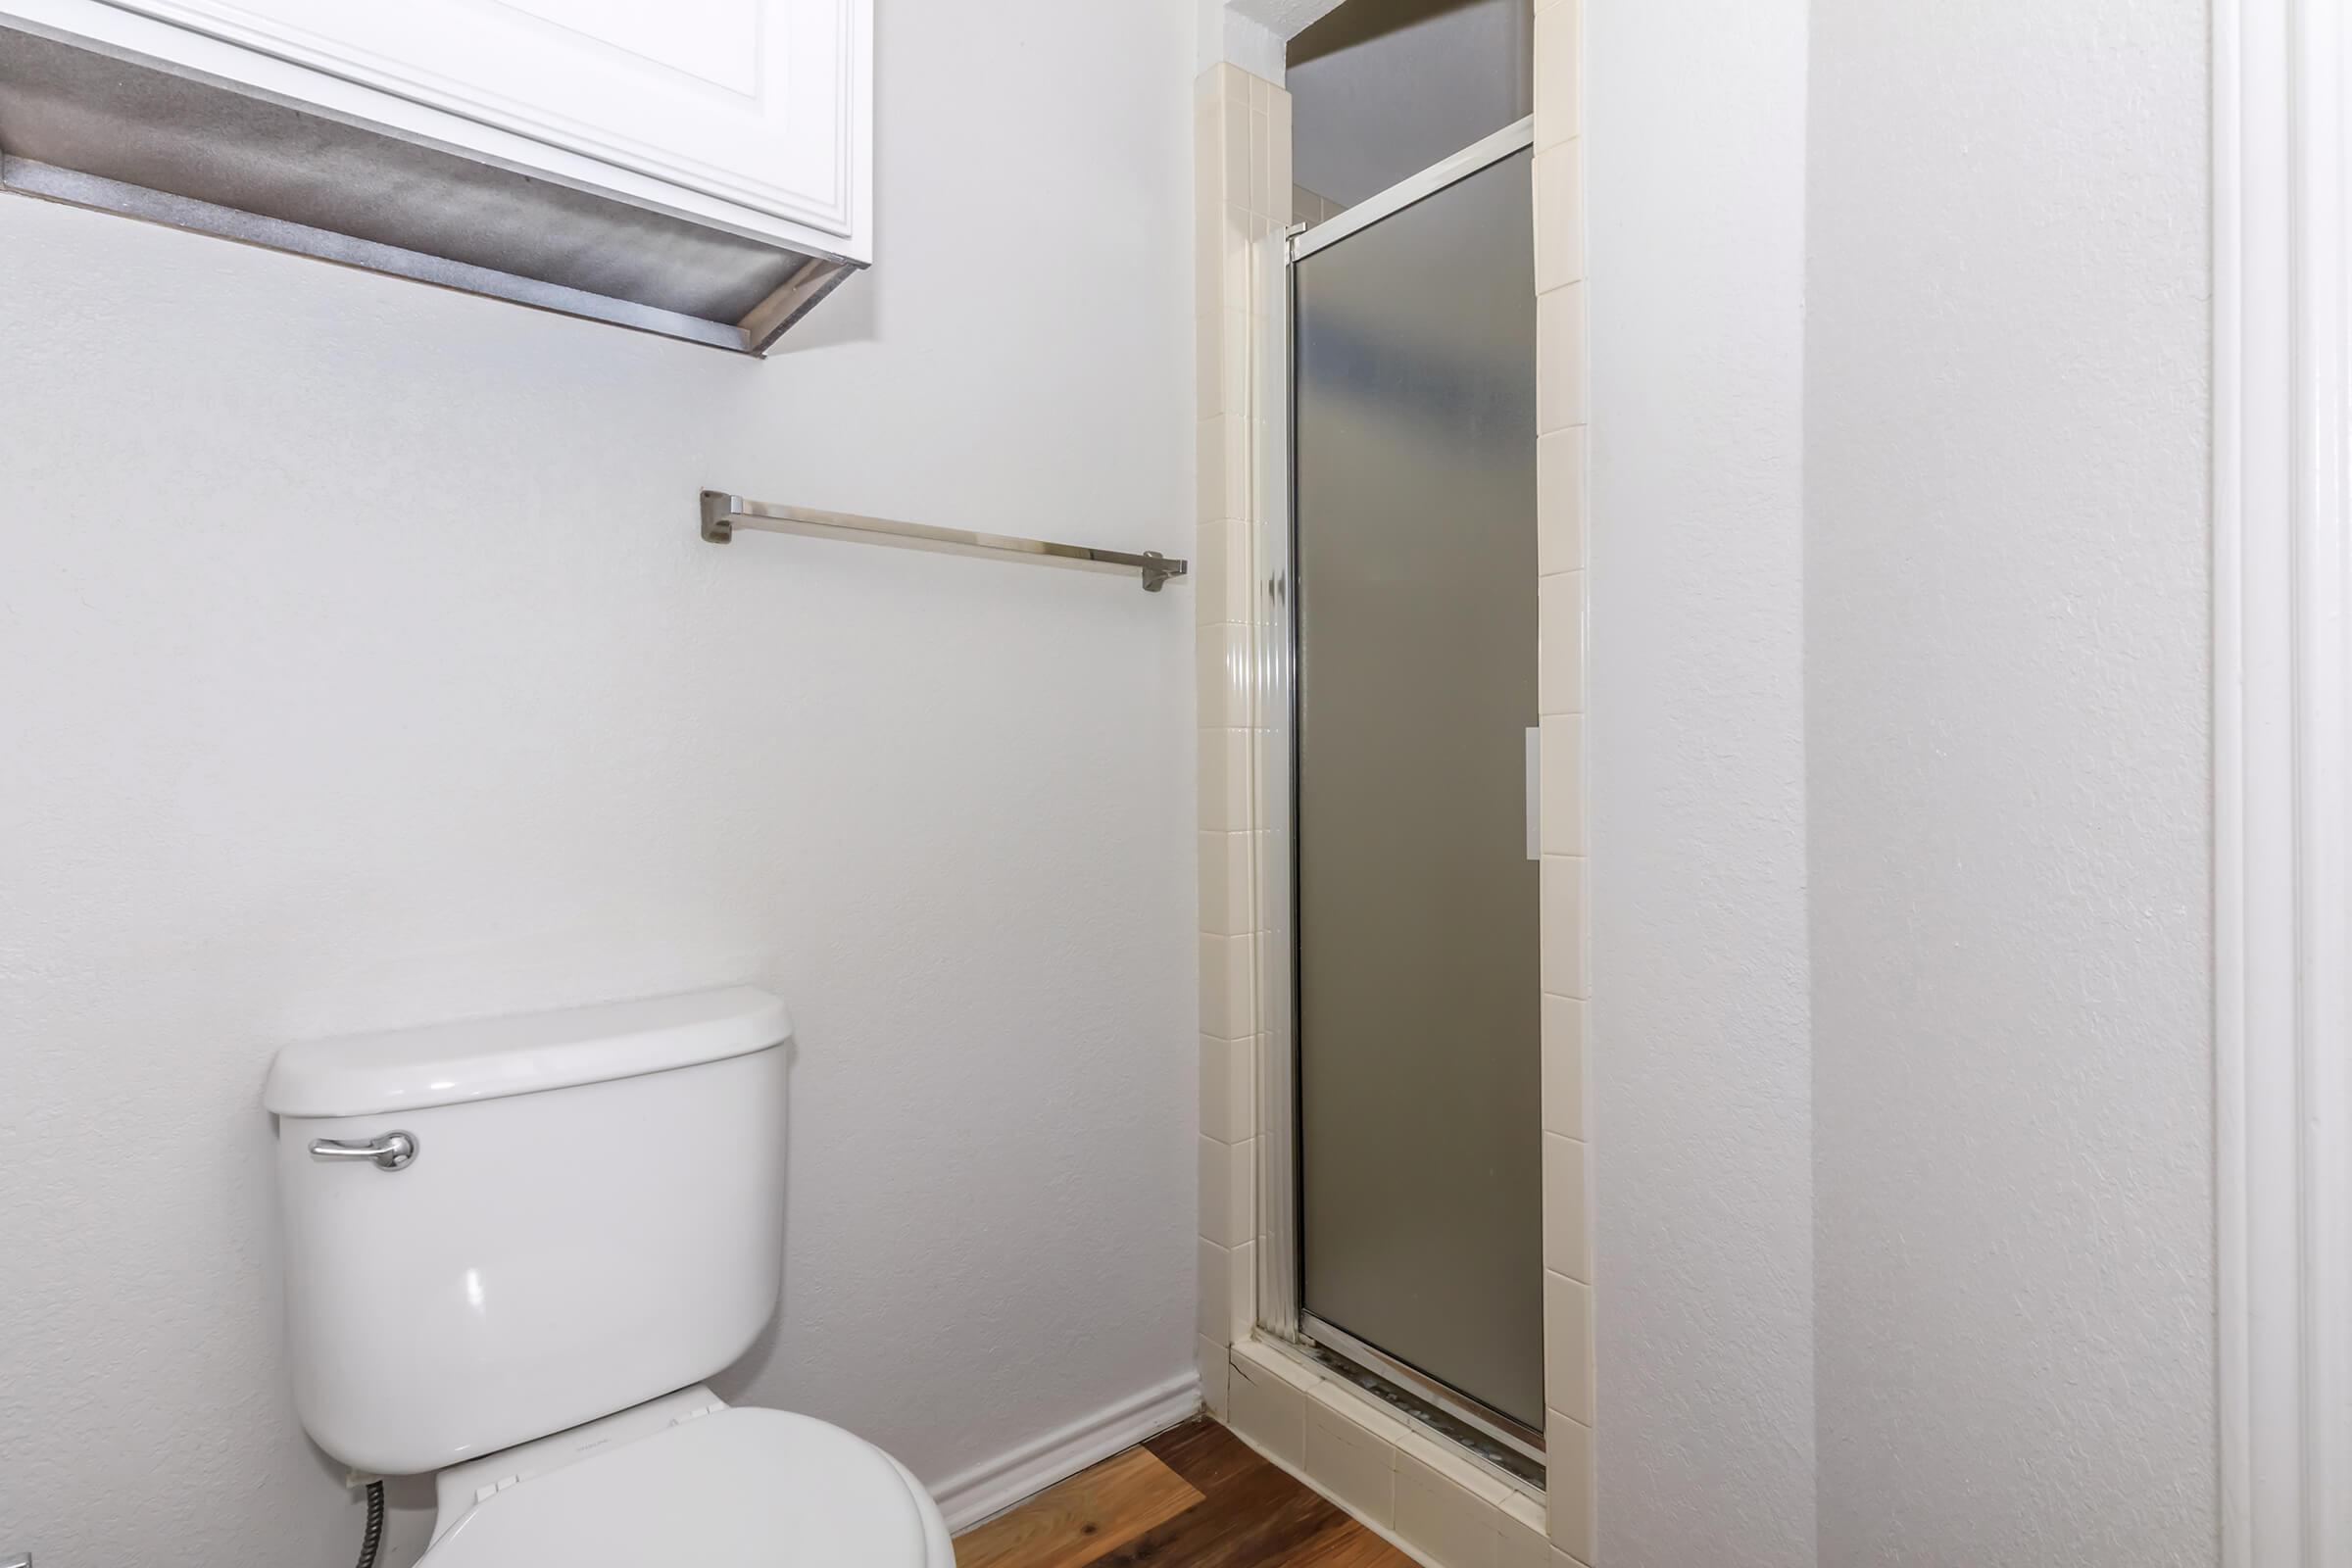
(1406, 667)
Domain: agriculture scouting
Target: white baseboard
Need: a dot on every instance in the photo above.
(997, 1484)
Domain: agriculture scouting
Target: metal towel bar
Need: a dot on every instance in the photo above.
(723, 513)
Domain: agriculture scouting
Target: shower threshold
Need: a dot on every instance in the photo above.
(1508, 1445)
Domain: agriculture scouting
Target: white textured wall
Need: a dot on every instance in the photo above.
(360, 666)
(1700, 1049)
(1231, 35)
(2006, 703)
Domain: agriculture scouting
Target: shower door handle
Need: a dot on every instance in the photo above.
(1534, 792)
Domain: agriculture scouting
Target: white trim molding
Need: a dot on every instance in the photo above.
(2282, 791)
(989, 1489)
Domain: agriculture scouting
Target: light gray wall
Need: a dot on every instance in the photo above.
(1700, 1053)
(360, 666)
(1901, 1078)
(2007, 729)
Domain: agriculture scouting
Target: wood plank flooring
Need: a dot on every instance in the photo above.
(1195, 1497)
(1076, 1521)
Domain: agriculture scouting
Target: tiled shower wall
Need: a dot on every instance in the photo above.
(1442, 1506)
(1242, 152)
(1560, 599)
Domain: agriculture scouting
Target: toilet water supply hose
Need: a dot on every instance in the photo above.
(374, 1536)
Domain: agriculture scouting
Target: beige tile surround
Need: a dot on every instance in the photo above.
(1444, 1508)
(1426, 1495)
(1241, 140)
(1562, 592)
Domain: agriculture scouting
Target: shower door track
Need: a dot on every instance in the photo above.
(1274, 549)
(1473, 1413)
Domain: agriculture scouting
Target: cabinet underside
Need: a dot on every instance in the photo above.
(147, 139)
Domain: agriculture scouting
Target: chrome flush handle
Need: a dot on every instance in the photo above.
(392, 1152)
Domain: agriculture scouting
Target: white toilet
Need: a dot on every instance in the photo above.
(513, 1248)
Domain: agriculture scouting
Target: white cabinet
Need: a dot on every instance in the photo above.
(733, 136)
(754, 102)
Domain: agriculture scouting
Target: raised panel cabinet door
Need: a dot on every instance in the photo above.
(761, 103)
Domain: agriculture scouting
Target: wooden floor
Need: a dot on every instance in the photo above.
(1193, 1498)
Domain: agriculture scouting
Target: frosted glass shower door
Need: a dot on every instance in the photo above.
(1414, 469)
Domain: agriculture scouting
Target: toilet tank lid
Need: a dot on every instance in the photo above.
(486, 1059)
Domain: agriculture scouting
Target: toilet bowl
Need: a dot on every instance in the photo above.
(691, 1481)
(514, 1250)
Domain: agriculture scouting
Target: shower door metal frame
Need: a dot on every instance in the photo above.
(1275, 776)
(1274, 856)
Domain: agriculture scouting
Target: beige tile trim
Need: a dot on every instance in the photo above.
(1243, 191)
(1563, 402)
(1490, 1514)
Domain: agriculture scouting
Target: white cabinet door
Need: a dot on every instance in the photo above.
(760, 103)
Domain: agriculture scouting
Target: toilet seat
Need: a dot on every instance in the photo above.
(737, 1487)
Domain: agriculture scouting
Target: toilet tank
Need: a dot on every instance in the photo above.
(592, 1216)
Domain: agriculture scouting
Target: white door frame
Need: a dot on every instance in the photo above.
(2282, 791)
